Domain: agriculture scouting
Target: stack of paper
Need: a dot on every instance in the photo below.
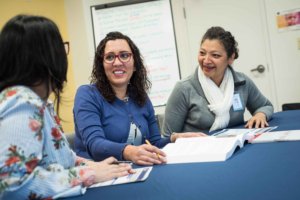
(277, 136)
(141, 174)
(249, 132)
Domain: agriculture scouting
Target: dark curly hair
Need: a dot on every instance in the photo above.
(139, 82)
(225, 37)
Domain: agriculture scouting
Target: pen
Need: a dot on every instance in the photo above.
(147, 141)
(219, 132)
(121, 161)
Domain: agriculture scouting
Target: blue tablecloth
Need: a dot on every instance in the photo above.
(257, 171)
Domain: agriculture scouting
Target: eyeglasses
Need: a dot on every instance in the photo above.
(67, 47)
(123, 57)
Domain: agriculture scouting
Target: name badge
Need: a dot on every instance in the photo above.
(237, 103)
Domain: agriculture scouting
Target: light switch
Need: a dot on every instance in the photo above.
(298, 43)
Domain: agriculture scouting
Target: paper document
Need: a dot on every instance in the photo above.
(276, 136)
(242, 131)
(141, 174)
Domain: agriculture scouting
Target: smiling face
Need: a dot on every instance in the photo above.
(213, 60)
(118, 73)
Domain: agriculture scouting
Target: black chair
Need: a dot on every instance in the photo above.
(290, 106)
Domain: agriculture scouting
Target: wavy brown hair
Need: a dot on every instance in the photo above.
(139, 83)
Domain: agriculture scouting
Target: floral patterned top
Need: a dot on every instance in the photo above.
(36, 161)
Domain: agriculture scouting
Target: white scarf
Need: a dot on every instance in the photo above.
(220, 98)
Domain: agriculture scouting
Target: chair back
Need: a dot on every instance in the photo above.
(290, 106)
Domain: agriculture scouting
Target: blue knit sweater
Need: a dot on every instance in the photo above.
(102, 128)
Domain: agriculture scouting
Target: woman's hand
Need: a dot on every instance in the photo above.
(175, 136)
(144, 154)
(107, 170)
(259, 119)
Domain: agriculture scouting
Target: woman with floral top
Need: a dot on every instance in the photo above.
(36, 161)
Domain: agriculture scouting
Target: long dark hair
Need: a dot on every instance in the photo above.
(31, 53)
(139, 82)
(225, 37)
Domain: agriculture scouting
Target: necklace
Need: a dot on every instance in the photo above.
(126, 99)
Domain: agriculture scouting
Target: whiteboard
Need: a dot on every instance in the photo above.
(150, 25)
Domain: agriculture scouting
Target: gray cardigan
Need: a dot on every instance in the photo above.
(187, 109)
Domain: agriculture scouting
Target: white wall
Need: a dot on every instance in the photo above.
(285, 52)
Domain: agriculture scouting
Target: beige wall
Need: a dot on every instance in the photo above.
(55, 10)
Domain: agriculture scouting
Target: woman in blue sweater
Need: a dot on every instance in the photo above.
(114, 116)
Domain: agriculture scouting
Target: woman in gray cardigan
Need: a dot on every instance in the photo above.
(215, 96)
